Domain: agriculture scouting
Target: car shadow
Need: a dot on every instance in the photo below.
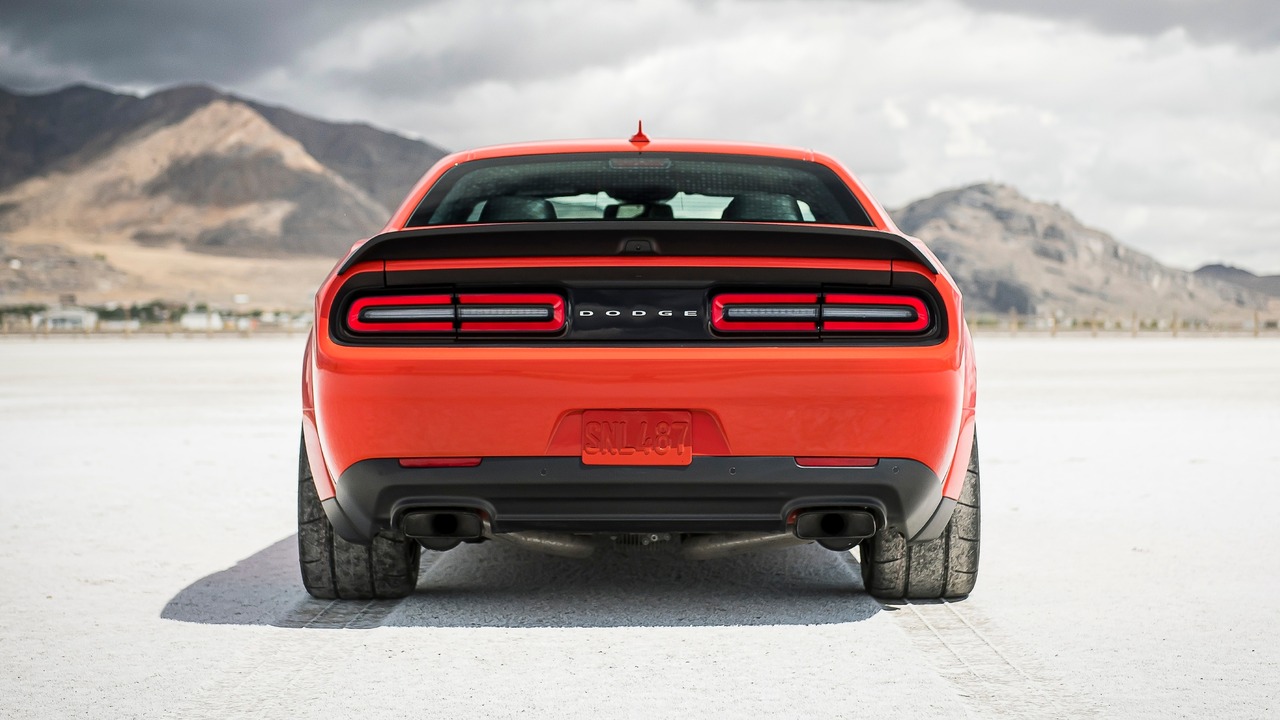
(497, 585)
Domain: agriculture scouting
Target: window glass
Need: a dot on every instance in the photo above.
(639, 187)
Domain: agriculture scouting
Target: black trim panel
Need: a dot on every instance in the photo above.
(937, 524)
(711, 495)
(674, 289)
(603, 238)
(609, 275)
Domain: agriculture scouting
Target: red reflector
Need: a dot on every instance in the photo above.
(401, 313)
(439, 462)
(511, 312)
(765, 312)
(837, 461)
(874, 313)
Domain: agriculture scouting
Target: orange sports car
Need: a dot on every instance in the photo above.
(719, 346)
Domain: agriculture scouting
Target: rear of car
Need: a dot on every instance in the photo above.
(728, 347)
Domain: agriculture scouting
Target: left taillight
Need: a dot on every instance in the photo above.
(402, 314)
(510, 312)
(464, 314)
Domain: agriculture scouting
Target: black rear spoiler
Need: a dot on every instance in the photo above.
(605, 238)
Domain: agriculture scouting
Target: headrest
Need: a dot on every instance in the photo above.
(763, 207)
(636, 211)
(510, 208)
(658, 212)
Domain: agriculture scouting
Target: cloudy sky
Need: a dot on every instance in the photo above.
(1158, 121)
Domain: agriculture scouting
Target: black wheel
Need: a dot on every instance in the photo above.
(942, 568)
(334, 568)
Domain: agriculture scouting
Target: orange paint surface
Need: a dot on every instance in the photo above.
(462, 401)
(372, 402)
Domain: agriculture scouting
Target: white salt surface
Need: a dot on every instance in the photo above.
(1129, 568)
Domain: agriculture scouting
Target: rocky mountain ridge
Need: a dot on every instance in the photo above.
(59, 130)
(1009, 253)
(1266, 284)
(149, 185)
(192, 193)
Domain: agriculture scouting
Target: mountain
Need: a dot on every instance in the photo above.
(1010, 253)
(48, 270)
(153, 185)
(194, 194)
(1266, 284)
(67, 127)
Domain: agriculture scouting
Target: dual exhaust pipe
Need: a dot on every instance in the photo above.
(834, 529)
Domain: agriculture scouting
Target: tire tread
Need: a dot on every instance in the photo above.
(333, 568)
(946, 567)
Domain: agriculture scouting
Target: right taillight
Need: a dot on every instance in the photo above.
(848, 312)
(765, 312)
(815, 313)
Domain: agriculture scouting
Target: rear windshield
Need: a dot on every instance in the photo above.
(639, 187)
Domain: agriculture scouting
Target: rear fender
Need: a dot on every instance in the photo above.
(310, 433)
(954, 482)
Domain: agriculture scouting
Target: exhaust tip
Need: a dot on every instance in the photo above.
(442, 525)
(837, 525)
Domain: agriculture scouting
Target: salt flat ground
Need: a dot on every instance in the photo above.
(1129, 566)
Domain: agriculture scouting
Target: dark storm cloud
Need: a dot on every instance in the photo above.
(1252, 23)
(149, 42)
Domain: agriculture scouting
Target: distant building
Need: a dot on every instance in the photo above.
(201, 321)
(71, 318)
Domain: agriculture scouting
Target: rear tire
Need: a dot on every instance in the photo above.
(943, 568)
(334, 568)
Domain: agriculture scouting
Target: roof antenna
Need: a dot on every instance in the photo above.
(639, 138)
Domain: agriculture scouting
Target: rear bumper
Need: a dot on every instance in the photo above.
(711, 495)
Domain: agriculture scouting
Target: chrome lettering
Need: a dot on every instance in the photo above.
(639, 313)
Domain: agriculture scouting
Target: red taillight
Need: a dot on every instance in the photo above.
(510, 312)
(402, 314)
(465, 313)
(814, 313)
(765, 312)
(843, 312)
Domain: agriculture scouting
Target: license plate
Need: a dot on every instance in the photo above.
(637, 437)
